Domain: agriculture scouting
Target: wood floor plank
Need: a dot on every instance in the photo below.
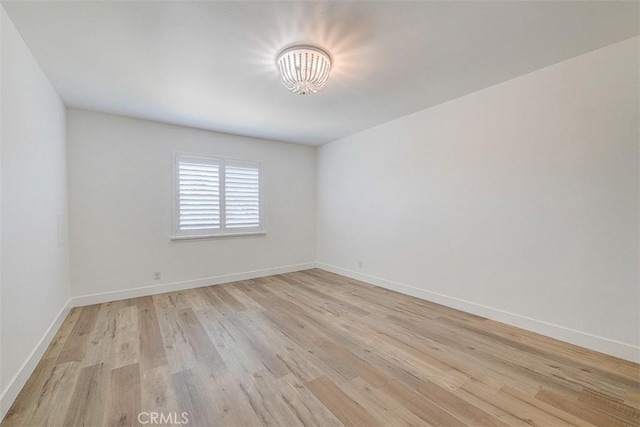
(455, 405)
(347, 410)
(365, 332)
(298, 359)
(212, 398)
(178, 352)
(611, 367)
(496, 411)
(317, 295)
(305, 404)
(545, 407)
(420, 405)
(203, 348)
(233, 304)
(124, 400)
(243, 298)
(193, 397)
(229, 403)
(87, 406)
(127, 338)
(632, 398)
(314, 348)
(338, 351)
(482, 368)
(237, 354)
(172, 300)
(30, 394)
(61, 337)
(54, 398)
(242, 328)
(157, 393)
(579, 409)
(100, 347)
(80, 336)
(523, 410)
(270, 407)
(528, 379)
(152, 354)
(214, 300)
(511, 350)
(142, 302)
(615, 408)
(381, 405)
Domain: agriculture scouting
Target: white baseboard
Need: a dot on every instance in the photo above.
(187, 284)
(18, 381)
(583, 339)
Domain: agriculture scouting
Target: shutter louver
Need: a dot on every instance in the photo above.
(199, 195)
(242, 195)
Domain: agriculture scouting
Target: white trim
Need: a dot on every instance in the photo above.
(572, 336)
(216, 236)
(19, 380)
(187, 284)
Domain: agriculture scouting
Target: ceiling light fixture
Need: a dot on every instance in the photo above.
(304, 69)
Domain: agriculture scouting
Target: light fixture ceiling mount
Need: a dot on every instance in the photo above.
(304, 69)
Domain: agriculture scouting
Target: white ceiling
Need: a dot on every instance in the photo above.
(211, 65)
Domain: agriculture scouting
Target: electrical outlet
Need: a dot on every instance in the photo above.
(156, 275)
(359, 263)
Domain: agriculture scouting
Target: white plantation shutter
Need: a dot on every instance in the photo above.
(198, 193)
(216, 196)
(242, 194)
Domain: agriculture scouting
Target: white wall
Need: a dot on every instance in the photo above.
(518, 202)
(120, 182)
(35, 273)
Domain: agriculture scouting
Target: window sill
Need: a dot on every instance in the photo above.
(216, 236)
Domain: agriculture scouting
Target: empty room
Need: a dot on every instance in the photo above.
(319, 213)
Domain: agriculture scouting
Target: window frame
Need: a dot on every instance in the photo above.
(223, 231)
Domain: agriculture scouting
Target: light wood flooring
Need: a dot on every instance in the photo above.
(313, 348)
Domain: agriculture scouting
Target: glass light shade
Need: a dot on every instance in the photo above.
(304, 69)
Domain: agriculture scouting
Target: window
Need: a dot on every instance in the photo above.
(216, 197)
